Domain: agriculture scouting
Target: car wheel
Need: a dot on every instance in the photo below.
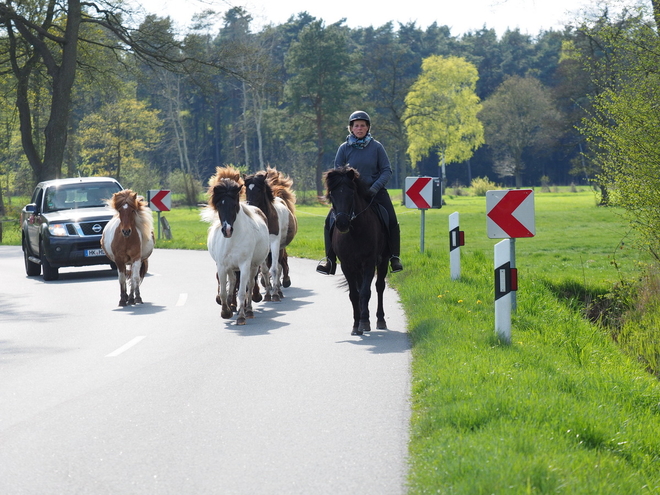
(31, 268)
(50, 273)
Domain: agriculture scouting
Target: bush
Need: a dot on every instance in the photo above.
(480, 185)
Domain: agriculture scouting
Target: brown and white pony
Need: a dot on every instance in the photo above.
(128, 240)
(271, 192)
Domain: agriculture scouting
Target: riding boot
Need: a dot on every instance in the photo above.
(328, 265)
(395, 248)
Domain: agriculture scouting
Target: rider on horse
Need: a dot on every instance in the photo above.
(369, 158)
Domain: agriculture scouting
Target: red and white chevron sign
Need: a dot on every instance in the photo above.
(510, 213)
(419, 192)
(160, 200)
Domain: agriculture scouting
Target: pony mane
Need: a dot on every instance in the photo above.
(281, 185)
(144, 221)
(221, 185)
(334, 177)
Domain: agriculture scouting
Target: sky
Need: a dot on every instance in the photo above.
(530, 16)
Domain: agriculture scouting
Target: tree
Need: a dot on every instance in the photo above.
(624, 128)
(519, 117)
(318, 62)
(116, 139)
(441, 112)
(43, 38)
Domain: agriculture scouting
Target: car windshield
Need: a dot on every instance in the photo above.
(78, 196)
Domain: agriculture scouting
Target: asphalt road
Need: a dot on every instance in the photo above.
(168, 398)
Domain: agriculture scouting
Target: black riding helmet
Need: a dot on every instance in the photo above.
(359, 115)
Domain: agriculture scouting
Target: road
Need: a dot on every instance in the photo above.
(168, 398)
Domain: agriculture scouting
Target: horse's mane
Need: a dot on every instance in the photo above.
(144, 221)
(281, 185)
(335, 176)
(222, 173)
(217, 185)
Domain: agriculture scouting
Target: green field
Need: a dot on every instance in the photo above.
(562, 409)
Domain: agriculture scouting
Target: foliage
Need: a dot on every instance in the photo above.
(519, 116)
(441, 111)
(481, 185)
(624, 128)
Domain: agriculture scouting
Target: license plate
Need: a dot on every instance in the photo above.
(94, 252)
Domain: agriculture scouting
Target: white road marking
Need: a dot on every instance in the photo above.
(182, 299)
(126, 346)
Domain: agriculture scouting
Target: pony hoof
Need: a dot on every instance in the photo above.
(257, 297)
(381, 325)
(364, 327)
(233, 308)
(276, 298)
(138, 300)
(240, 320)
(286, 282)
(249, 314)
(122, 302)
(131, 301)
(267, 298)
(356, 331)
(226, 314)
(280, 293)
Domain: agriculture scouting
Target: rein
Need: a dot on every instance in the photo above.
(352, 216)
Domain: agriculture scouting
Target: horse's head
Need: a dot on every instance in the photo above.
(127, 203)
(257, 190)
(345, 190)
(225, 199)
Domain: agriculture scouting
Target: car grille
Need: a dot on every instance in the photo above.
(86, 228)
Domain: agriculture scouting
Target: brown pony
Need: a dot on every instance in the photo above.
(271, 192)
(128, 240)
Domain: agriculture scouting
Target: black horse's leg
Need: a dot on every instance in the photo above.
(354, 296)
(284, 261)
(380, 288)
(365, 296)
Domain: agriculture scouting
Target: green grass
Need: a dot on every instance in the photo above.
(562, 409)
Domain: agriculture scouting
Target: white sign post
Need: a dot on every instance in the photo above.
(456, 240)
(506, 283)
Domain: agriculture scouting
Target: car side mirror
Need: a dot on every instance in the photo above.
(31, 208)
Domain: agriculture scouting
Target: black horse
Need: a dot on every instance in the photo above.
(360, 242)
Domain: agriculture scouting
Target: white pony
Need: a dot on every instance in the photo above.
(237, 241)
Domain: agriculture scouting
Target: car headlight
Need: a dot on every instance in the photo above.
(58, 230)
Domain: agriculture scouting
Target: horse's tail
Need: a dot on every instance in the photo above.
(282, 187)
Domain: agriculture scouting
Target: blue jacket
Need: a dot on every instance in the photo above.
(371, 161)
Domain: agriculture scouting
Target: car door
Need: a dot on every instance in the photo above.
(34, 221)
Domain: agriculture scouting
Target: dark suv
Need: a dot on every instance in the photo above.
(62, 225)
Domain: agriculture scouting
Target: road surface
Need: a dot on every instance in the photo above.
(168, 398)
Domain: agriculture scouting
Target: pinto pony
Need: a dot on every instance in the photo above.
(128, 241)
(237, 241)
(271, 192)
(360, 242)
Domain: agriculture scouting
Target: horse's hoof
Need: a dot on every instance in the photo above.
(240, 320)
(249, 314)
(381, 325)
(365, 326)
(267, 298)
(257, 297)
(280, 293)
(356, 331)
(286, 282)
(131, 301)
(122, 302)
(226, 313)
(138, 300)
(276, 298)
(233, 308)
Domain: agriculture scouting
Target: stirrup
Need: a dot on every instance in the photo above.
(395, 264)
(326, 266)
